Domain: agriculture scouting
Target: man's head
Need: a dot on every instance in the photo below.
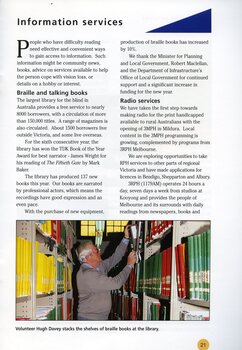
(89, 253)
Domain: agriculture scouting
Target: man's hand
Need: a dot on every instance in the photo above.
(131, 258)
(126, 231)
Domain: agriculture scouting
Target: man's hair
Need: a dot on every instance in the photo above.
(84, 250)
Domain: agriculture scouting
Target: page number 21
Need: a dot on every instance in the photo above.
(203, 344)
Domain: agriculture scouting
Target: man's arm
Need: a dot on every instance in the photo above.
(97, 282)
(110, 262)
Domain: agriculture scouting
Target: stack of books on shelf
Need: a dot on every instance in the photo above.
(156, 311)
(45, 273)
(43, 269)
(135, 281)
(23, 266)
(193, 267)
(153, 311)
(130, 307)
(125, 306)
(158, 274)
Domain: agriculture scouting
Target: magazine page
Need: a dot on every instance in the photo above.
(120, 174)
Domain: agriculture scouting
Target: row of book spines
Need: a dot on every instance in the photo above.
(116, 309)
(45, 273)
(158, 274)
(125, 307)
(23, 266)
(156, 311)
(157, 229)
(60, 309)
(130, 308)
(136, 276)
(64, 276)
(153, 311)
(199, 266)
(193, 267)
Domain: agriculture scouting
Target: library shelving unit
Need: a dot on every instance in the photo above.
(128, 302)
(43, 270)
(176, 270)
(190, 297)
(171, 280)
(157, 270)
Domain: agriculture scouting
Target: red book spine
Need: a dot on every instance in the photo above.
(132, 280)
(58, 238)
(181, 254)
(53, 229)
(134, 309)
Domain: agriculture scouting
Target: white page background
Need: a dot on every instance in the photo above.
(223, 331)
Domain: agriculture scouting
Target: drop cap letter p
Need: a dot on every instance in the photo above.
(22, 45)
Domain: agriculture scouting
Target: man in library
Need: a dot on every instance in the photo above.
(94, 285)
